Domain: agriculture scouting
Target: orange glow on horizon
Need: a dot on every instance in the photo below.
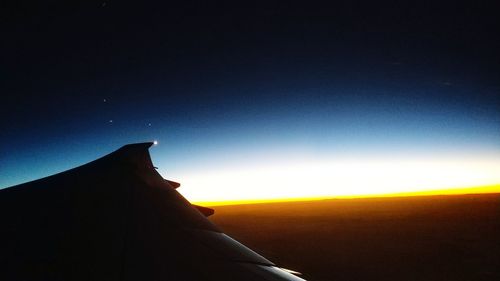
(313, 179)
(492, 189)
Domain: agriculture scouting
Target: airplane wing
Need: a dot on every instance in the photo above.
(116, 218)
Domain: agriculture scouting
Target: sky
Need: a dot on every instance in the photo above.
(256, 102)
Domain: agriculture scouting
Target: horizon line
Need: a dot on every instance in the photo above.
(477, 190)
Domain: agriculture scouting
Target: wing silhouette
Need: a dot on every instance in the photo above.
(116, 218)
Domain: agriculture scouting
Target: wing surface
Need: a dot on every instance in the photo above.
(116, 218)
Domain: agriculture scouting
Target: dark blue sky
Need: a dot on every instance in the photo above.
(218, 82)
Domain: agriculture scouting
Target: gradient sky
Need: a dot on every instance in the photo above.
(228, 90)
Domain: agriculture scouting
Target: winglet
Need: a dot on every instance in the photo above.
(136, 154)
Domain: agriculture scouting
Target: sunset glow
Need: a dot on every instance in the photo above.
(344, 178)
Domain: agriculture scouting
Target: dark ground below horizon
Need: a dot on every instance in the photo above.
(412, 238)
